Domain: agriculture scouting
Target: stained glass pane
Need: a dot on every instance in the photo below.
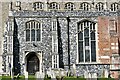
(38, 35)
(32, 35)
(86, 33)
(27, 35)
(86, 41)
(87, 56)
(80, 36)
(92, 35)
(93, 51)
(81, 57)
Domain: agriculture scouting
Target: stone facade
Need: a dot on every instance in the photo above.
(16, 48)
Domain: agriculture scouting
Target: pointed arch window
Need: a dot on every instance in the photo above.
(114, 7)
(69, 6)
(100, 6)
(86, 41)
(54, 6)
(33, 31)
(38, 5)
(85, 6)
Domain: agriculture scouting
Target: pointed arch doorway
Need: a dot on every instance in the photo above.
(33, 63)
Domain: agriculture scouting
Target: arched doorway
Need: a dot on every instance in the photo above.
(32, 63)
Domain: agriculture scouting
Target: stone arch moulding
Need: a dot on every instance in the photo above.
(39, 56)
(94, 20)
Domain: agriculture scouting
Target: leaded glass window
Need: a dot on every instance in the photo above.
(54, 5)
(38, 6)
(33, 31)
(85, 6)
(99, 6)
(86, 41)
(114, 7)
(69, 6)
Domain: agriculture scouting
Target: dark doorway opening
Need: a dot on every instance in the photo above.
(32, 63)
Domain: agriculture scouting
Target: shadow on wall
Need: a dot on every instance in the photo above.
(60, 49)
(16, 60)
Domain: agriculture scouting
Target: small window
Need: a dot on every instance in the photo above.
(112, 24)
(112, 27)
(38, 6)
(114, 6)
(69, 6)
(54, 5)
(85, 6)
(99, 6)
(18, 3)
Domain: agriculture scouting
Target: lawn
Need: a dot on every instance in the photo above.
(74, 78)
(105, 79)
(32, 77)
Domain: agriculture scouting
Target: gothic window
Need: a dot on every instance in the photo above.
(114, 6)
(99, 6)
(38, 6)
(86, 41)
(33, 31)
(85, 6)
(69, 6)
(54, 5)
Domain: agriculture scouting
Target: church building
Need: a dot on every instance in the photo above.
(56, 34)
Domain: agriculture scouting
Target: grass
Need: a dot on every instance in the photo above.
(105, 79)
(6, 77)
(9, 78)
(74, 78)
(32, 77)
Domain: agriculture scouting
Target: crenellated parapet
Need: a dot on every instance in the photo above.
(72, 5)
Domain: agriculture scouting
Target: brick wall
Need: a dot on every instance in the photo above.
(103, 39)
